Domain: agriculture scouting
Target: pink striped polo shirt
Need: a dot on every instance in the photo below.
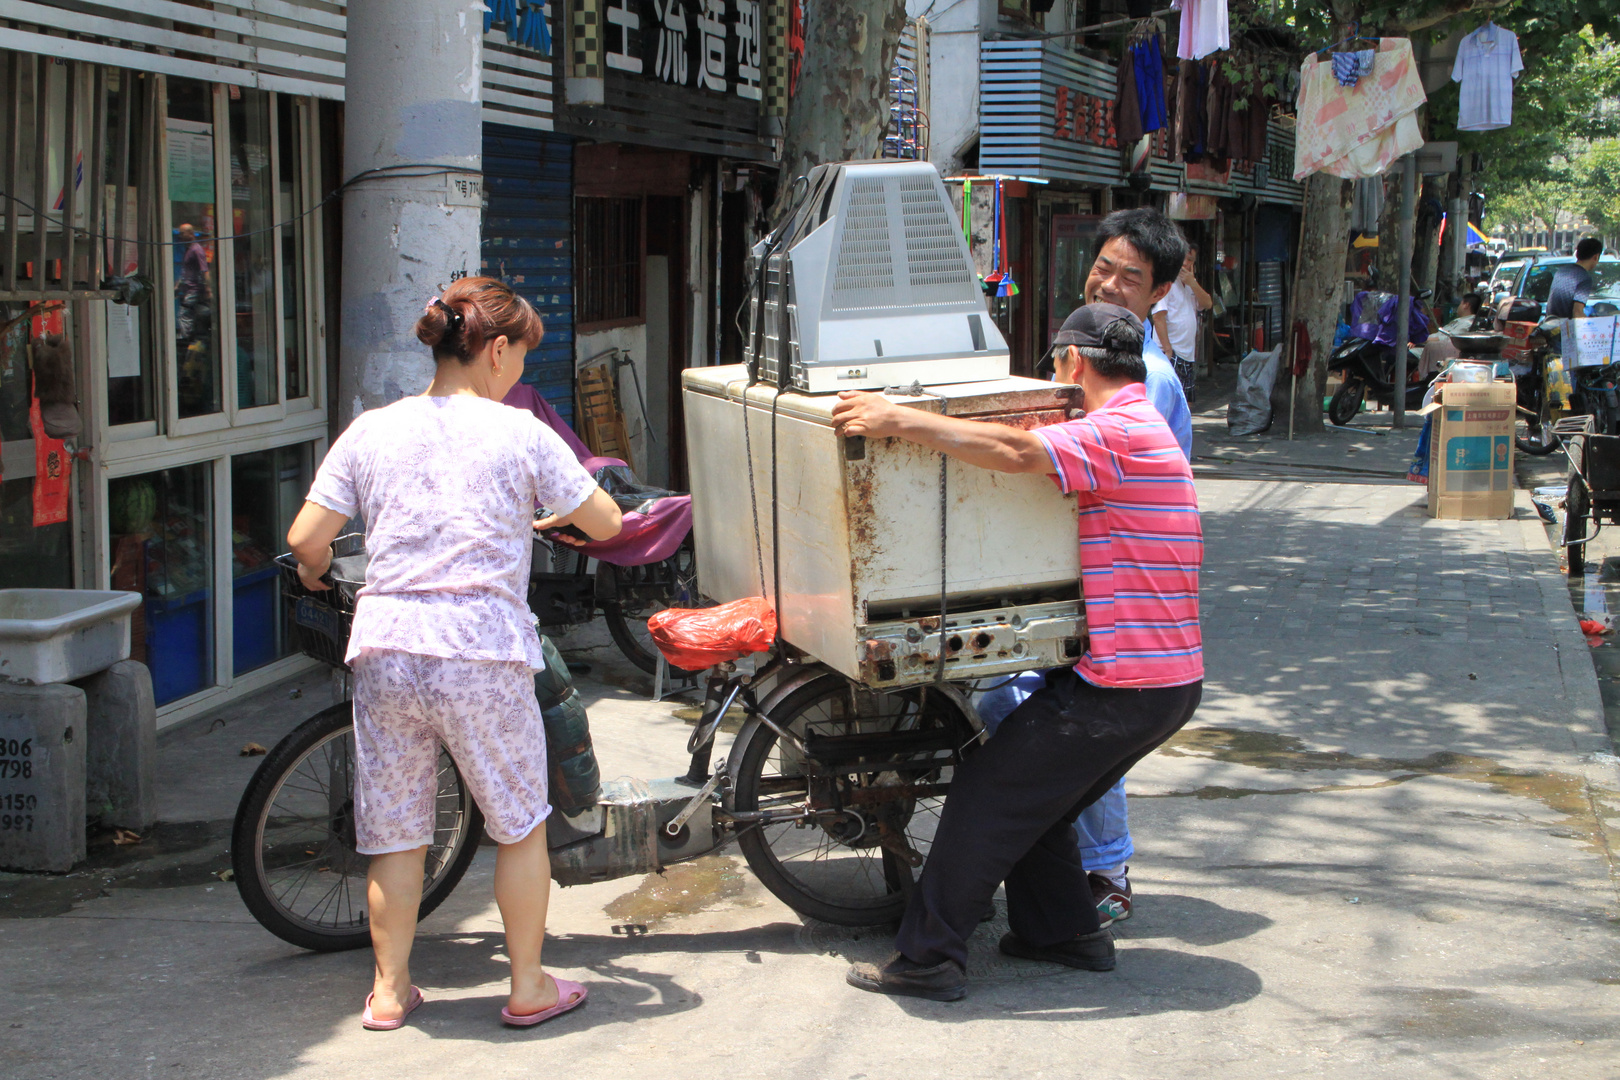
(1140, 542)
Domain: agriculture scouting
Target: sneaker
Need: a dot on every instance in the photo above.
(943, 982)
(1113, 902)
(1090, 952)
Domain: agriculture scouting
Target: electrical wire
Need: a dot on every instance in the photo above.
(384, 172)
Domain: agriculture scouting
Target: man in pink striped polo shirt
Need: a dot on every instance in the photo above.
(1012, 805)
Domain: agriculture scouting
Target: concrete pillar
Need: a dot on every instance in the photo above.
(412, 93)
(121, 746)
(42, 763)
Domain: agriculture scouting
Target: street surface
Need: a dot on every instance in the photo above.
(1383, 848)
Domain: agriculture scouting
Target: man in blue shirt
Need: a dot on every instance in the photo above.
(1572, 283)
(1140, 253)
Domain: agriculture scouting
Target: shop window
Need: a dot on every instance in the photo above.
(131, 341)
(253, 275)
(267, 490)
(31, 557)
(14, 384)
(608, 272)
(290, 207)
(161, 526)
(191, 174)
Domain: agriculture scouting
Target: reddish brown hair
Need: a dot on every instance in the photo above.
(488, 309)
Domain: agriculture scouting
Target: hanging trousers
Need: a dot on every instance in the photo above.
(1011, 810)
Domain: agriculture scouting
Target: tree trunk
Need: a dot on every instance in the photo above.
(841, 105)
(1322, 251)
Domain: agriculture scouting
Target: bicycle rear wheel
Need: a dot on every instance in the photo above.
(293, 844)
(861, 811)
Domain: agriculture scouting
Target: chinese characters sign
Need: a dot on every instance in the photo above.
(1083, 118)
(714, 45)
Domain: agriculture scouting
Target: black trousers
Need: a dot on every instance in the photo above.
(1011, 810)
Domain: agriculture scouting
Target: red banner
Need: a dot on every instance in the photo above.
(51, 469)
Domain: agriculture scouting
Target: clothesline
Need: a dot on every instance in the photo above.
(1110, 24)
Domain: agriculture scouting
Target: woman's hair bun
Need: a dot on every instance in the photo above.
(433, 327)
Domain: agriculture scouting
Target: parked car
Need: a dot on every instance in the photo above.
(1534, 278)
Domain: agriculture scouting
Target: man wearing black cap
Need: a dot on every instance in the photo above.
(1012, 805)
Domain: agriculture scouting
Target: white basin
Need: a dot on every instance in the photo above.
(58, 635)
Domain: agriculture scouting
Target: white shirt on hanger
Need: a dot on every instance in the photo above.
(1488, 61)
(1205, 28)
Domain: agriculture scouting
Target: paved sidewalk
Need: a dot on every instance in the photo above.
(1383, 849)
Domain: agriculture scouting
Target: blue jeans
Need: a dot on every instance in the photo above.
(1103, 828)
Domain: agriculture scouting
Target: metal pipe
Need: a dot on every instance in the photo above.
(95, 163)
(1403, 301)
(42, 153)
(126, 109)
(70, 144)
(719, 229)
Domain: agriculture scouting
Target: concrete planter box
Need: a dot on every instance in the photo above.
(57, 635)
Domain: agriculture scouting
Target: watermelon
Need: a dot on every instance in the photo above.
(132, 503)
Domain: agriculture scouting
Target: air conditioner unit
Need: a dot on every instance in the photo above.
(869, 283)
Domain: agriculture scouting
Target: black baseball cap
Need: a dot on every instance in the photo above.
(1084, 329)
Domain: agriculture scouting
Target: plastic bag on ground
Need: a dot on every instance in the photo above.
(697, 638)
(1250, 410)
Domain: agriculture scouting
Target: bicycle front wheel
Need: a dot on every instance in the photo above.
(293, 844)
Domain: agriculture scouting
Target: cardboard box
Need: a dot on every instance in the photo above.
(1471, 451)
(1589, 342)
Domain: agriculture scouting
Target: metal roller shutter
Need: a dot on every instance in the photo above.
(528, 243)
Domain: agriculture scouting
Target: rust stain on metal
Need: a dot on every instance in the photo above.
(878, 650)
(928, 624)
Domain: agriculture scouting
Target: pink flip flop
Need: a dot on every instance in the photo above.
(570, 995)
(370, 1023)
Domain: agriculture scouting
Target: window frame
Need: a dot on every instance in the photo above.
(588, 326)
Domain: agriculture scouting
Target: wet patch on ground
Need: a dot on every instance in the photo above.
(1564, 794)
(732, 722)
(683, 889)
(167, 857)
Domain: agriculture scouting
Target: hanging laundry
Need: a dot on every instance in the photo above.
(1128, 107)
(1205, 28)
(1254, 119)
(1149, 60)
(1351, 67)
(1356, 131)
(1192, 119)
(1488, 61)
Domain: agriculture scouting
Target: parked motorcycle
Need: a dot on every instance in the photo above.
(1366, 362)
(649, 566)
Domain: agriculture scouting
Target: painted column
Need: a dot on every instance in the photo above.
(412, 98)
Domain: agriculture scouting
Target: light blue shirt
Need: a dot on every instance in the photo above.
(1165, 393)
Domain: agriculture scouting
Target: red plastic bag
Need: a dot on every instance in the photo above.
(697, 638)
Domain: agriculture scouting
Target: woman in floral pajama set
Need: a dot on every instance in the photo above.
(444, 648)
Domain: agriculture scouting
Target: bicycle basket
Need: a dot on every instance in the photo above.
(319, 622)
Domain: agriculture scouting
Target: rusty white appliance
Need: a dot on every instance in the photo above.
(853, 534)
(868, 283)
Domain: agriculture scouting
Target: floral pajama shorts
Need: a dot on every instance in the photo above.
(483, 712)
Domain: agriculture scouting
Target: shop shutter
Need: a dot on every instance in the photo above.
(528, 243)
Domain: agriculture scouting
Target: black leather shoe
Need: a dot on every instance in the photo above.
(943, 982)
(1090, 952)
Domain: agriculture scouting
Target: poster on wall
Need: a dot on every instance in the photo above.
(191, 161)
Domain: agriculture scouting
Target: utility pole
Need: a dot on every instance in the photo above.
(412, 93)
(1403, 295)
